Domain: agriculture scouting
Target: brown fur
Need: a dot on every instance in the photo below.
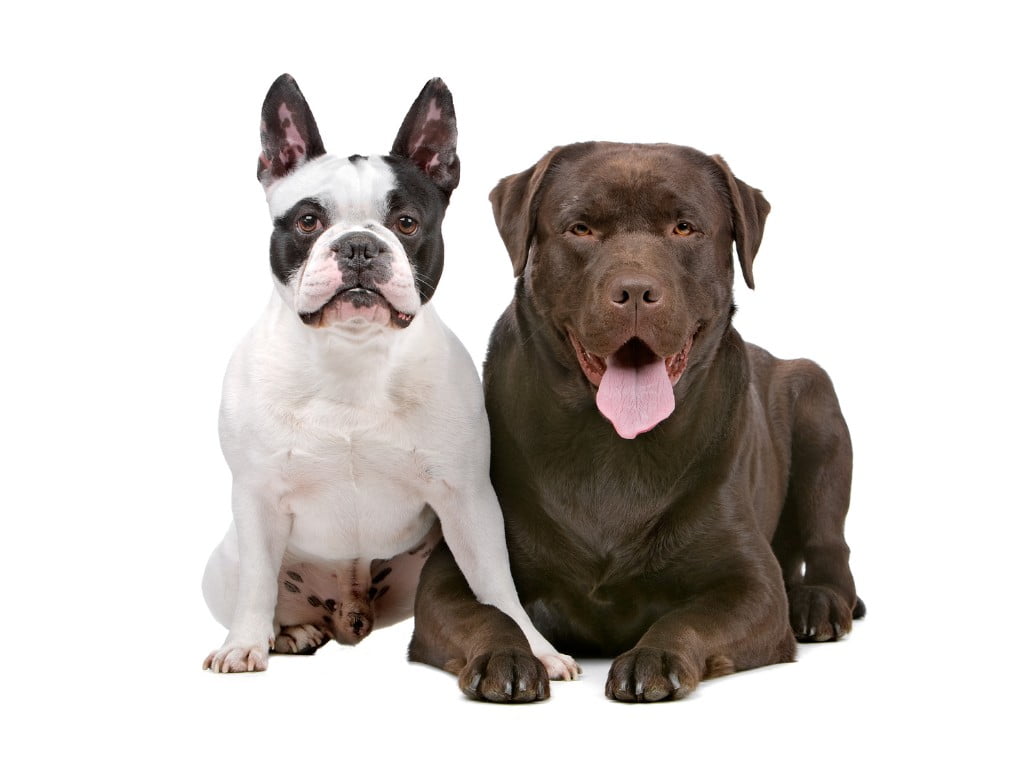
(676, 550)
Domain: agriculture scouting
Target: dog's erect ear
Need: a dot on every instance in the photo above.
(749, 210)
(428, 136)
(515, 211)
(287, 130)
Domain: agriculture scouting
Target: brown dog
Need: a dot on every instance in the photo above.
(666, 487)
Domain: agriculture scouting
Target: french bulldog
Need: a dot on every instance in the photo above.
(352, 419)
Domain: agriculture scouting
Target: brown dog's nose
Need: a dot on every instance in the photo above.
(641, 290)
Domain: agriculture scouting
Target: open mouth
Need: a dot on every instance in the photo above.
(358, 301)
(634, 384)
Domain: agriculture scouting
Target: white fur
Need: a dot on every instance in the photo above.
(339, 437)
(359, 189)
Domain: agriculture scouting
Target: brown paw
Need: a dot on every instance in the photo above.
(818, 614)
(509, 676)
(649, 674)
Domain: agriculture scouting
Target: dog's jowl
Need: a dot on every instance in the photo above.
(673, 496)
(351, 418)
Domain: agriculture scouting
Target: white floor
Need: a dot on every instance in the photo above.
(881, 695)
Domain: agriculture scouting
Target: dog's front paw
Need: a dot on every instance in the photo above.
(649, 674)
(818, 614)
(559, 666)
(509, 676)
(238, 657)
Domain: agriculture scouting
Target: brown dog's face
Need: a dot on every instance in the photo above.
(626, 251)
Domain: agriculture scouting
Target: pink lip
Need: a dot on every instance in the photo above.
(362, 302)
(594, 366)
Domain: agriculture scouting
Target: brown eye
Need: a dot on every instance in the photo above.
(407, 225)
(580, 229)
(683, 228)
(308, 224)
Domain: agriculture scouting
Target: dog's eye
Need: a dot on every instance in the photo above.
(308, 224)
(580, 229)
(683, 228)
(407, 225)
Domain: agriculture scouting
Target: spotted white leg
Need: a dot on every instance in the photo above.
(475, 533)
(262, 535)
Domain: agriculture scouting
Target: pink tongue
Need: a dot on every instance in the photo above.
(635, 399)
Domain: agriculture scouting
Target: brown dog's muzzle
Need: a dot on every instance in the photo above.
(635, 293)
(632, 342)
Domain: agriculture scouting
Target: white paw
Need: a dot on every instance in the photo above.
(299, 638)
(237, 657)
(559, 666)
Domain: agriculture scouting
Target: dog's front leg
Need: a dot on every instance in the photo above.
(469, 620)
(482, 646)
(262, 536)
(474, 529)
(736, 624)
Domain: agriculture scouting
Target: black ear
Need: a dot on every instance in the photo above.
(749, 211)
(512, 201)
(287, 130)
(428, 136)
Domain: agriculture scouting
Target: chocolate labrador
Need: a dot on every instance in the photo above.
(673, 496)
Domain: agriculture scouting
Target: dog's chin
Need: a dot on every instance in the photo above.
(634, 384)
(357, 307)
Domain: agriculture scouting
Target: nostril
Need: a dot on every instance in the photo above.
(622, 297)
(652, 296)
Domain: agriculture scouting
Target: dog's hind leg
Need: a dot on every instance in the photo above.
(809, 541)
(393, 582)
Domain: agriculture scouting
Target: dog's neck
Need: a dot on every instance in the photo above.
(347, 362)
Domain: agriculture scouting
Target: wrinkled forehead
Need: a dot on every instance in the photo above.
(647, 182)
(351, 188)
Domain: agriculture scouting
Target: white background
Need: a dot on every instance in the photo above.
(886, 137)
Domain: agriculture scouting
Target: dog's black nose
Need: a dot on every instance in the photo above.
(641, 290)
(356, 249)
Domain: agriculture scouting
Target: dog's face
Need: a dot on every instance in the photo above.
(626, 252)
(357, 240)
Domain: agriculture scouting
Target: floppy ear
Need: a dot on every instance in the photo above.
(428, 136)
(515, 213)
(749, 210)
(288, 132)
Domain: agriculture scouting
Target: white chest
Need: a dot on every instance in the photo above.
(354, 495)
(351, 438)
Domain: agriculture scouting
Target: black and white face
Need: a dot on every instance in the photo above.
(357, 240)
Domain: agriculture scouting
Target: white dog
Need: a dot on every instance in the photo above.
(352, 419)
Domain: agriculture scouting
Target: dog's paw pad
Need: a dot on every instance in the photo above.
(300, 639)
(237, 658)
(818, 614)
(559, 666)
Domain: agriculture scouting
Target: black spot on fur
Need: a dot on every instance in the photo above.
(381, 576)
(293, 576)
(414, 194)
(314, 601)
(289, 248)
(371, 593)
(291, 587)
(383, 591)
(330, 605)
